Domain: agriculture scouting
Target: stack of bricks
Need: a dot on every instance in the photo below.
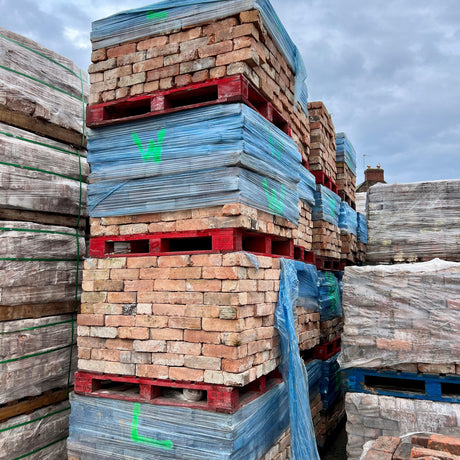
(346, 183)
(239, 44)
(322, 134)
(349, 250)
(423, 446)
(304, 230)
(326, 240)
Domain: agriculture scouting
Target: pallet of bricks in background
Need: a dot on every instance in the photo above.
(330, 422)
(321, 161)
(216, 49)
(349, 250)
(346, 184)
(327, 243)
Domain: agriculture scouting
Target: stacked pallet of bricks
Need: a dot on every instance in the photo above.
(346, 169)
(42, 243)
(195, 195)
(400, 342)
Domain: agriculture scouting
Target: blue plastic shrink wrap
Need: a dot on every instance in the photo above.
(173, 163)
(345, 151)
(331, 382)
(103, 428)
(348, 219)
(362, 227)
(314, 376)
(307, 187)
(303, 441)
(329, 296)
(308, 293)
(163, 17)
(327, 205)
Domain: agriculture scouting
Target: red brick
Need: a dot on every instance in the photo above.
(156, 42)
(238, 31)
(148, 64)
(224, 351)
(218, 26)
(184, 273)
(201, 311)
(183, 80)
(152, 371)
(124, 274)
(170, 285)
(119, 320)
(224, 325)
(164, 72)
(139, 286)
(151, 321)
(202, 75)
(154, 273)
(186, 374)
(202, 336)
(206, 260)
(174, 261)
(121, 297)
(121, 50)
(203, 285)
(237, 365)
(215, 49)
(167, 334)
(139, 333)
(142, 262)
(168, 310)
(185, 36)
(119, 344)
(185, 323)
(444, 443)
(90, 320)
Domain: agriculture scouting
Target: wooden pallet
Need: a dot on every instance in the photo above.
(216, 398)
(191, 242)
(217, 91)
(327, 350)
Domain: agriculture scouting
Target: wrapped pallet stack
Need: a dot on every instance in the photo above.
(42, 243)
(400, 346)
(198, 196)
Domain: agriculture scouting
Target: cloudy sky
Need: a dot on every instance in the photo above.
(388, 71)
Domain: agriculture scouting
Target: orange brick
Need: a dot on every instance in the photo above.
(220, 298)
(124, 274)
(184, 323)
(148, 64)
(163, 72)
(202, 336)
(108, 285)
(152, 371)
(155, 273)
(238, 31)
(181, 298)
(203, 362)
(167, 334)
(139, 333)
(224, 351)
(142, 262)
(174, 261)
(151, 346)
(201, 311)
(224, 325)
(90, 320)
(237, 365)
(206, 260)
(91, 342)
(119, 344)
(203, 285)
(170, 285)
(139, 286)
(121, 297)
(444, 443)
(184, 373)
(168, 310)
(215, 49)
(225, 273)
(119, 320)
(151, 321)
(156, 42)
(185, 273)
(105, 355)
(183, 80)
(121, 50)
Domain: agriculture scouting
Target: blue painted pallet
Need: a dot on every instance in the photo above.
(414, 386)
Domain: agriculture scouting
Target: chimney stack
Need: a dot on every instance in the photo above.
(374, 175)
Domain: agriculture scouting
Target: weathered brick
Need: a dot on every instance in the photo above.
(203, 285)
(185, 36)
(138, 285)
(167, 334)
(152, 371)
(119, 344)
(115, 262)
(151, 321)
(218, 72)
(142, 262)
(98, 55)
(133, 79)
(121, 297)
(122, 71)
(153, 346)
(184, 348)
(184, 323)
(149, 64)
(124, 274)
(202, 336)
(100, 354)
(103, 332)
(186, 374)
(164, 72)
(90, 320)
(168, 359)
(140, 333)
(215, 324)
(215, 49)
(202, 75)
(224, 351)
(237, 365)
(174, 261)
(203, 362)
(155, 42)
(220, 298)
(102, 66)
(197, 65)
(121, 50)
(238, 31)
(170, 285)
(183, 80)
(201, 311)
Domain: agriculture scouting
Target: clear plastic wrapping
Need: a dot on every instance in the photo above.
(345, 151)
(329, 296)
(361, 202)
(362, 227)
(198, 158)
(39, 174)
(38, 82)
(327, 205)
(411, 222)
(103, 428)
(348, 219)
(39, 263)
(308, 293)
(39, 435)
(171, 15)
(398, 314)
(36, 355)
(303, 441)
(307, 187)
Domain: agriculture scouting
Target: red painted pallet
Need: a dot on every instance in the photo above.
(329, 264)
(301, 254)
(323, 179)
(191, 242)
(345, 197)
(217, 91)
(217, 398)
(327, 350)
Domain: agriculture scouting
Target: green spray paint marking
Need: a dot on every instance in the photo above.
(153, 152)
(276, 146)
(330, 278)
(136, 437)
(333, 206)
(157, 15)
(275, 204)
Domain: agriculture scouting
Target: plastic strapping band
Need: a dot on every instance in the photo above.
(34, 230)
(33, 259)
(40, 448)
(33, 355)
(44, 171)
(32, 328)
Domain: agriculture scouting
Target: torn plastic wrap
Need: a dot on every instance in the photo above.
(308, 293)
(348, 219)
(175, 162)
(327, 205)
(39, 263)
(39, 174)
(303, 441)
(398, 314)
(411, 222)
(345, 152)
(36, 355)
(330, 383)
(362, 227)
(38, 435)
(329, 296)
(167, 16)
(103, 428)
(38, 82)
(307, 186)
